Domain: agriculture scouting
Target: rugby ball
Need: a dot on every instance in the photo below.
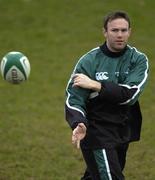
(15, 67)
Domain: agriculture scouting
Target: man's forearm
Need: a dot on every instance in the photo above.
(96, 86)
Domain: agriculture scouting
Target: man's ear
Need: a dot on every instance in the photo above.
(104, 32)
(129, 31)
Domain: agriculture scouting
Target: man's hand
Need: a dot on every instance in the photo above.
(81, 80)
(78, 134)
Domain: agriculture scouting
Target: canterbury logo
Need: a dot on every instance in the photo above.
(101, 76)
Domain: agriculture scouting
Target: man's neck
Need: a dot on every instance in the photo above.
(104, 48)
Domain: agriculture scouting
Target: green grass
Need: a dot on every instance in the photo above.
(35, 140)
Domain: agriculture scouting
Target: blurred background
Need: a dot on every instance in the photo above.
(35, 140)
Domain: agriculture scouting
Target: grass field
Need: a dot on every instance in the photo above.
(35, 140)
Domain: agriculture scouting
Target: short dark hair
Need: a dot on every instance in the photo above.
(115, 15)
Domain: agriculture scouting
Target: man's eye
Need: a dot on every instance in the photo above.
(115, 30)
(121, 30)
(124, 30)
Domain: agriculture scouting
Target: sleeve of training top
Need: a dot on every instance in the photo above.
(76, 97)
(128, 91)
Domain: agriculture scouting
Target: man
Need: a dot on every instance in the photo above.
(102, 100)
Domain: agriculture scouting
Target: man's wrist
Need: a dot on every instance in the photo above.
(96, 86)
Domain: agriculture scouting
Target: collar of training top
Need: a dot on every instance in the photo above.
(109, 53)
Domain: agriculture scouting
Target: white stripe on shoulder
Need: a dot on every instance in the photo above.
(68, 94)
(78, 63)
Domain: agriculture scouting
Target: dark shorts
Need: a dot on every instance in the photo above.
(105, 164)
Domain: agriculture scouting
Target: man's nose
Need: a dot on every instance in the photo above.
(119, 33)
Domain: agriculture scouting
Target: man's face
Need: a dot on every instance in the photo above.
(117, 34)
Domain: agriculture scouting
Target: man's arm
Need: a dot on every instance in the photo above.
(76, 99)
(109, 90)
(84, 81)
(126, 93)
